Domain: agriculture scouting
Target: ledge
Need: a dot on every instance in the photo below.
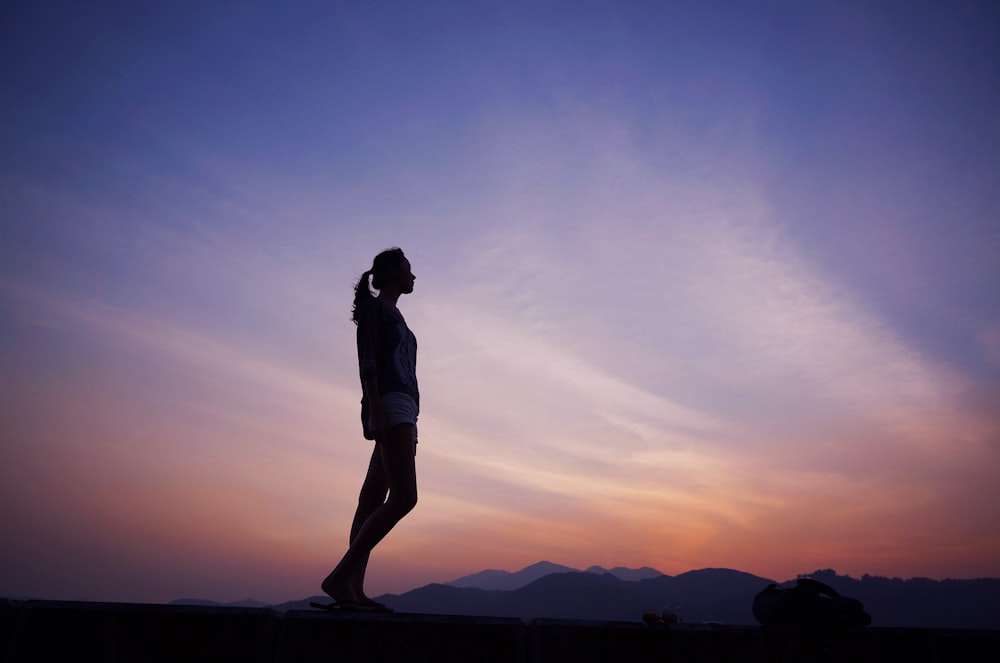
(61, 630)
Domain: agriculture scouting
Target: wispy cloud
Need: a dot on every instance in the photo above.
(662, 321)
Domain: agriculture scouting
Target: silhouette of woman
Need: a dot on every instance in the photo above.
(387, 356)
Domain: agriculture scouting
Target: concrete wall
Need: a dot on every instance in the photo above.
(65, 631)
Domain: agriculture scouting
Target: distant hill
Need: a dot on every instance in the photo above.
(493, 579)
(623, 573)
(707, 595)
(949, 603)
(711, 595)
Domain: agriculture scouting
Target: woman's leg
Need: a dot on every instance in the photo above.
(373, 492)
(399, 468)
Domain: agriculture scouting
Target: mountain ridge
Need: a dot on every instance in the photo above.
(710, 595)
(507, 580)
(583, 595)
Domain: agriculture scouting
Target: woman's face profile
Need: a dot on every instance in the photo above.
(404, 274)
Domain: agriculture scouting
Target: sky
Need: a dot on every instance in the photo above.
(698, 284)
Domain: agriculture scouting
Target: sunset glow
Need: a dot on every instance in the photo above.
(709, 285)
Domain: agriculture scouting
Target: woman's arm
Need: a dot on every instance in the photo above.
(377, 422)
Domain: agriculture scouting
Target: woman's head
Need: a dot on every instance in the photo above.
(390, 267)
(386, 266)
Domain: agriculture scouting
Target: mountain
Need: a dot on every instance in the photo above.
(494, 579)
(583, 595)
(707, 595)
(623, 573)
(711, 595)
(923, 602)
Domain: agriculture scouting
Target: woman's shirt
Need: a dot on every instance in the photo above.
(387, 349)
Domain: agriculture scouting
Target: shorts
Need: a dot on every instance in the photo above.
(399, 409)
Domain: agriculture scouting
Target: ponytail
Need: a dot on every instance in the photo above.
(381, 266)
(362, 293)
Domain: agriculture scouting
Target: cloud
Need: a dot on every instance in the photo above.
(623, 354)
(689, 362)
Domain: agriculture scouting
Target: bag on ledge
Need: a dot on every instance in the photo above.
(808, 603)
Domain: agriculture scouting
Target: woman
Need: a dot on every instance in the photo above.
(387, 356)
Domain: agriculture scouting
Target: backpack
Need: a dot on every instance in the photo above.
(808, 603)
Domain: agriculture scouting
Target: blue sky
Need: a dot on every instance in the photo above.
(698, 284)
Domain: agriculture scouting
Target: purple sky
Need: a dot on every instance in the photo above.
(698, 284)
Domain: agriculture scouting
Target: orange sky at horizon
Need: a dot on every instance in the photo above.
(216, 485)
(694, 288)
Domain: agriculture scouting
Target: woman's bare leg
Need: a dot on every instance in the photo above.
(345, 582)
(373, 493)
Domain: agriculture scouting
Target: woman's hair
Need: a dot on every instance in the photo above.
(381, 266)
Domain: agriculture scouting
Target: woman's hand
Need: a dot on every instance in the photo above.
(378, 423)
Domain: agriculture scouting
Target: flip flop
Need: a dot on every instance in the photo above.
(376, 606)
(343, 606)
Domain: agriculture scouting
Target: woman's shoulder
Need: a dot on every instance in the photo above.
(375, 308)
(367, 311)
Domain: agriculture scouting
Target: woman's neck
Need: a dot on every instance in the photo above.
(389, 296)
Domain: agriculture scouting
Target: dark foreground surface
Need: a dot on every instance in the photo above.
(68, 631)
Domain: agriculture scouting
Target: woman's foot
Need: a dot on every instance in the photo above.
(366, 600)
(338, 591)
